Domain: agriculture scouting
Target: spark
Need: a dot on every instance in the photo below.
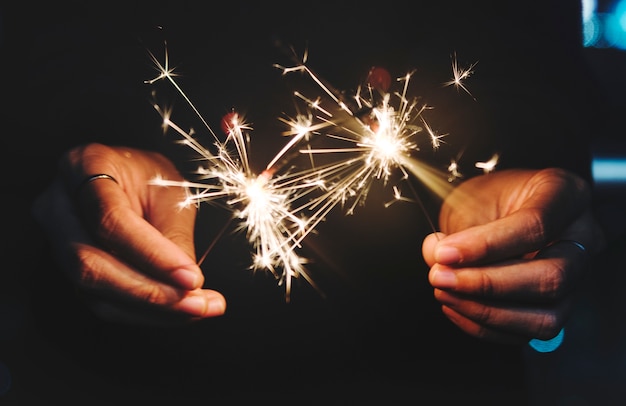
(488, 166)
(375, 136)
(453, 170)
(435, 139)
(460, 75)
(377, 129)
(397, 196)
(267, 206)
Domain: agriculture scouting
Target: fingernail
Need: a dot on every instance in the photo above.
(216, 306)
(188, 279)
(447, 255)
(196, 305)
(443, 279)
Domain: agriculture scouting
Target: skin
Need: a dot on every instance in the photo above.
(497, 266)
(126, 245)
(502, 267)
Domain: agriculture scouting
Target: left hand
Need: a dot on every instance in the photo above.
(126, 246)
(504, 266)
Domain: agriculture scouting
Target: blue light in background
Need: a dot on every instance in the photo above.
(608, 170)
(604, 27)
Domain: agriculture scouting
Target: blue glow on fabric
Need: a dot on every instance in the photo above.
(547, 345)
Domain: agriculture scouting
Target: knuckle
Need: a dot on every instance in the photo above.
(580, 185)
(549, 326)
(536, 224)
(484, 314)
(150, 294)
(481, 333)
(486, 286)
(470, 328)
(553, 284)
(110, 220)
(87, 273)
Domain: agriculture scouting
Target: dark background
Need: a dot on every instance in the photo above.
(74, 73)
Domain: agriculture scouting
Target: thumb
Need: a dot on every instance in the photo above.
(428, 247)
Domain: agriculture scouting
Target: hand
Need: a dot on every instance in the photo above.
(124, 243)
(502, 267)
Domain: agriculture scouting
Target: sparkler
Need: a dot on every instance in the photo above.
(380, 137)
(266, 204)
(460, 74)
(279, 207)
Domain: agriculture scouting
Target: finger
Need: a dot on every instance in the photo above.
(479, 331)
(117, 226)
(134, 313)
(117, 213)
(103, 275)
(162, 207)
(173, 220)
(428, 247)
(484, 319)
(549, 276)
(554, 199)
